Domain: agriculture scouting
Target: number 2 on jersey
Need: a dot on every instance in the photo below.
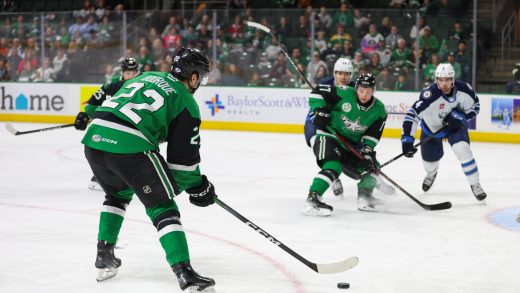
(127, 109)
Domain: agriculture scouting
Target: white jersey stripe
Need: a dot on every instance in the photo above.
(119, 127)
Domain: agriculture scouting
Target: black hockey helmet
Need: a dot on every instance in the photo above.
(129, 64)
(187, 61)
(366, 80)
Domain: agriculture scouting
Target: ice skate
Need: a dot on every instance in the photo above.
(190, 281)
(367, 202)
(337, 188)
(106, 261)
(478, 192)
(428, 181)
(315, 207)
(94, 185)
(385, 188)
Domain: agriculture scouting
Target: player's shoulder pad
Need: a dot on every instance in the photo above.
(378, 104)
(464, 87)
(432, 92)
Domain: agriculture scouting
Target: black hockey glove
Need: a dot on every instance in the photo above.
(329, 93)
(81, 121)
(408, 149)
(203, 194)
(455, 120)
(321, 118)
(369, 156)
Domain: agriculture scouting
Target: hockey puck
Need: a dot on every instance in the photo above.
(343, 285)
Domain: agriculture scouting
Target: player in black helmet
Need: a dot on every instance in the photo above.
(122, 148)
(129, 70)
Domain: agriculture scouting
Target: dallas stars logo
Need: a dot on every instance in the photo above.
(353, 126)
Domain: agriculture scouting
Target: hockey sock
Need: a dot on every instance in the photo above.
(112, 216)
(166, 219)
(467, 162)
(324, 179)
(367, 182)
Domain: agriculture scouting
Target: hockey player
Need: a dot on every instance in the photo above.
(359, 117)
(450, 103)
(342, 77)
(129, 70)
(122, 148)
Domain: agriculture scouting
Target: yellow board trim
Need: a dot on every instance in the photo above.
(263, 127)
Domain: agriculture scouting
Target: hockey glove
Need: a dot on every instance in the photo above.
(408, 149)
(321, 118)
(369, 156)
(81, 121)
(329, 93)
(203, 194)
(455, 120)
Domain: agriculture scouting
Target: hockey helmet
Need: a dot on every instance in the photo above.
(188, 61)
(444, 70)
(366, 80)
(129, 64)
(343, 65)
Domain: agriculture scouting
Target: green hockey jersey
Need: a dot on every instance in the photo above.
(151, 108)
(351, 120)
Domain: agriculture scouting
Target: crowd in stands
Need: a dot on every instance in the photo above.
(90, 40)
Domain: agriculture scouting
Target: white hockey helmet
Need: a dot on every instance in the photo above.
(444, 70)
(343, 65)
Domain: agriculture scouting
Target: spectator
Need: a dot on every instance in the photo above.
(61, 65)
(344, 16)
(16, 46)
(63, 37)
(172, 23)
(320, 43)
(385, 26)
(214, 74)
(385, 81)
(360, 20)
(429, 43)
(457, 32)
(312, 67)
(279, 70)
(283, 30)
(14, 60)
(171, 38)
(158, 51)
(456, 65)
(401, 58)
(463, 57)
(106, 30)
(143, 57)
(255, 80)
(302, 30)
(28, 58)
(374, 65)
(515, 83)
(109, 74)
(88, 27)
(359, 65)
(397, 4)
(385, 53)
(429, 70)
(26, 73)
(393, 37)
(33, 30)
(321, 74)
(4, 49)
(235, 27)
(4, 73)
(272, 50)
(414, 30)
(325, 17)
(232, 76)
(370, 42)
(402, 84)
(340, 36)
(73, 28)
(45, 72)
(348, 50)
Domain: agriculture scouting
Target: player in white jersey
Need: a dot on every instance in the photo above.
(450, 103)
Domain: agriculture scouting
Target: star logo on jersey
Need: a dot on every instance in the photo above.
(354, 126)
(215, 104)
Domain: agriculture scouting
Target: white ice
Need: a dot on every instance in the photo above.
(49, 219)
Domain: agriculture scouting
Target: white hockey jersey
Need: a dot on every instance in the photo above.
(433, 106)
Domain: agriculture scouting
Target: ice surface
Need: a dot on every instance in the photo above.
(49, 218)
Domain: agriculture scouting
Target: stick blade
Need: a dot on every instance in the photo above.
(338, 267)
(258, 26)
(440, 206)
(11, 128)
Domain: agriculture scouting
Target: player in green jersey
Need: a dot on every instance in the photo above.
(122, 148)
(357, 116)
(129, 69)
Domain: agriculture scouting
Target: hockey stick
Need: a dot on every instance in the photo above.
(415, 146)
(329, 268)
(11, 128)
(430, 207)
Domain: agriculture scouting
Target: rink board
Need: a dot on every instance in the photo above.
(249, 108)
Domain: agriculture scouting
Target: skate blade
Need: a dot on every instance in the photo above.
(194, 289)
(106, 273)
(372, 208)
(311, 211)
(95, 186)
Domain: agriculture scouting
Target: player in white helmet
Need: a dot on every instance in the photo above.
(446, 103)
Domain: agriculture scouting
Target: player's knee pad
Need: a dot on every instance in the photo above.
(367, 182)
(329, 175)
(170, 217)
(463, 151)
